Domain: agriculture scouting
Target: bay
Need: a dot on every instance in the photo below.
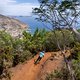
(32, 23)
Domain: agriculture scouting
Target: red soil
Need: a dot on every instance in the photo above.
(29, 71)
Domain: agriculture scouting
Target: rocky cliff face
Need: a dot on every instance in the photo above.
(13, 26)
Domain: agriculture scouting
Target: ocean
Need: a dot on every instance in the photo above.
(33, 23)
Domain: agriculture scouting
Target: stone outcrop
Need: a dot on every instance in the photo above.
(13, 26)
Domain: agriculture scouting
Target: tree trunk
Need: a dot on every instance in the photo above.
(68, 66)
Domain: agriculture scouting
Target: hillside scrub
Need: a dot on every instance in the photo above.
(9, 48)
(51, 40)
(74, 61)
(14, 50)
(45, 40)
(35, 43)
(40, 40)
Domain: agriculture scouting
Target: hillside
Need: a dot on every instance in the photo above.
(29, 71)
(12, 26)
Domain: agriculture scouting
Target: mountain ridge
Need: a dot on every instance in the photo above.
(12, 26)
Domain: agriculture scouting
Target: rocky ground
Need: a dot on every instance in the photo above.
(12, 26)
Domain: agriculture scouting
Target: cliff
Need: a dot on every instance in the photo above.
(13, 26)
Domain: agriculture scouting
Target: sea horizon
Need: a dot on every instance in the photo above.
(32, 23)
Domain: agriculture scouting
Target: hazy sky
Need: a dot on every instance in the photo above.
(17, 7)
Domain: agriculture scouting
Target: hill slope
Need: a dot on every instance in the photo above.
(29, 71)
(12, 26)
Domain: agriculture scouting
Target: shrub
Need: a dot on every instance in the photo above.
(35, 42)
(51, 41)
(76, 67)
(21, 57)
(26, 55)
(61, 74)
(76, 64)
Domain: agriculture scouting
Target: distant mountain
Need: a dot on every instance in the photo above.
(12, 26)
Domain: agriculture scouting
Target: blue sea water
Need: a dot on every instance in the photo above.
(33, 23)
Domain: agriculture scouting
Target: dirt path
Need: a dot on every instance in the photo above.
(29, 71)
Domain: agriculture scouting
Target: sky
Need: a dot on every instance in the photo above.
(17, 7)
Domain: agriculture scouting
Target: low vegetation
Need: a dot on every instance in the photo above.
(14, 51)
(74, 60)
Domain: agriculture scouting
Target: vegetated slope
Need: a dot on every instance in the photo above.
(12, 26)
(29, 71)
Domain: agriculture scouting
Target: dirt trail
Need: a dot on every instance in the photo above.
(29, 71)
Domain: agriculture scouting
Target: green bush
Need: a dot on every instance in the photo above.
(15, 51)
(12, 52)
(62, 74)
(75, 51)
(76, 67)
(35, 42)
(45, 40)
(64, 40)
(25, 56)
(21, 57)
(76, 62)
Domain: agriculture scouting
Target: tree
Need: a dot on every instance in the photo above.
(50, 42)
(63, 14)
(35, 42)
(77, 34)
